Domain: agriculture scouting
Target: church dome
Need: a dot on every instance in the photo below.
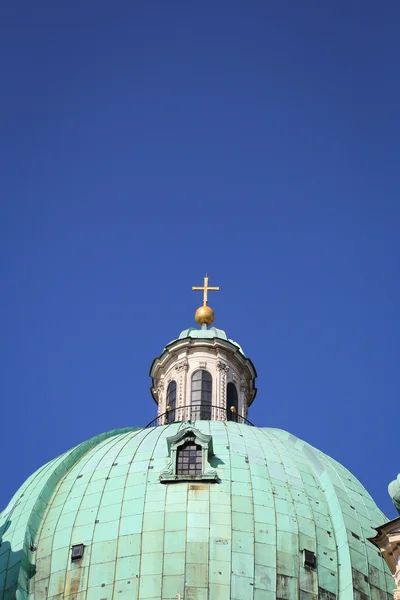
(200, 506)
(270, 517)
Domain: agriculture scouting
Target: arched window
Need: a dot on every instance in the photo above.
(189, 459)
(171, 401)
(231, 402)
(201, 395)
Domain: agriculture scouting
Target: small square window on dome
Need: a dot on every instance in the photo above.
(310, 560)
(77, 551)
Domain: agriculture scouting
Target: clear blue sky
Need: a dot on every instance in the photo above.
(143, 144)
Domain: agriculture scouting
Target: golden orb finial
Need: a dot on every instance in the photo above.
(205, 314)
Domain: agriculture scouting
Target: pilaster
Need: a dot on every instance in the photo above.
(222, 371)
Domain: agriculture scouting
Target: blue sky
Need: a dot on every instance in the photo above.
(145, 144)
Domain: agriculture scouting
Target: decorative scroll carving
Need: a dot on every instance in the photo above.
(169, 467)
(222, 366)
(182, 366)
(185, 425)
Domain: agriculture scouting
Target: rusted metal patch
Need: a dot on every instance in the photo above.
(198, 486)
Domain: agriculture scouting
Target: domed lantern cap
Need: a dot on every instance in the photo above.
(394, 492)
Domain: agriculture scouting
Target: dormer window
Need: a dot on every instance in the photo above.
(189, 453)
(201, 395)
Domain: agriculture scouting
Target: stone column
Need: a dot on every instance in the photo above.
(244, 392)
(396, 577)
(161, 399)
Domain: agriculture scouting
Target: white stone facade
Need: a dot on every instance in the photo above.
(388, 542)
(225, 363)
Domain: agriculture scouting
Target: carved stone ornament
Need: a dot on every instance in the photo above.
(160, 387)
(186, 425)
(182, 366)
(169, 467)
(396, 577)
(222, 366)
(245, 390)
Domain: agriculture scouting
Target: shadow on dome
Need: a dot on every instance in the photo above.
(215, 461)
(12, 565)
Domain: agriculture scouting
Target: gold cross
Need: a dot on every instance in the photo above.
(205, 289)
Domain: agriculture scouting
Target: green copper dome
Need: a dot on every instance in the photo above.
(279, 520)
(207, 334)
(394, 492)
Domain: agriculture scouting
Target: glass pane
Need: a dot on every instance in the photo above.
(196, 396)
(189, 460)
(201, 392)
(231, 401)
(171, 392)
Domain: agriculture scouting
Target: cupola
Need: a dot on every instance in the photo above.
(203, 375)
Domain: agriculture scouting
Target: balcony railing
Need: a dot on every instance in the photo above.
(198, 413)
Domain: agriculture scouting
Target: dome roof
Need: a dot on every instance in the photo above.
(207, 334)
(394, 492)
(242, 537)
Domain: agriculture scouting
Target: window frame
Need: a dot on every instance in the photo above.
(232, 415)
(201, 390)
(189, 459)
(171, 403)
